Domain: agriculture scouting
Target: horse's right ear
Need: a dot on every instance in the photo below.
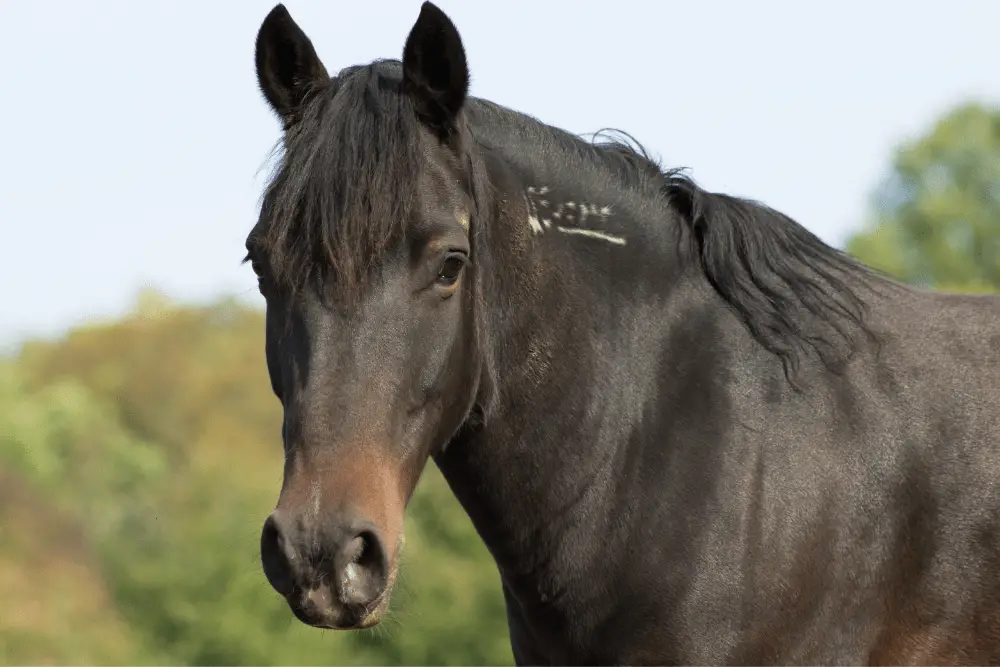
(288, 69)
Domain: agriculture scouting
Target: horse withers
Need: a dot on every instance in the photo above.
(686, 429)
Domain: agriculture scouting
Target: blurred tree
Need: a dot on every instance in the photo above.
(71, 481)
(937, 216)
(57, 607)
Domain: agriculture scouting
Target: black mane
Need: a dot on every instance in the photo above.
(345, 190)
(791, 290)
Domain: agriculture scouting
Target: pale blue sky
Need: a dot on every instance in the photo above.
(134, 135)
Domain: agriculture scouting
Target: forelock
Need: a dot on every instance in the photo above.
(345, 188)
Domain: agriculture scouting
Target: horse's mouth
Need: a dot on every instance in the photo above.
(319, 608)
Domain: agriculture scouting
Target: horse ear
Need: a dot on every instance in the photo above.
(288, 69)
(435, 73)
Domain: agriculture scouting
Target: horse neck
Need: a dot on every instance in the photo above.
(574, 357)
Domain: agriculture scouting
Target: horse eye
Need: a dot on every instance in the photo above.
(450, 271)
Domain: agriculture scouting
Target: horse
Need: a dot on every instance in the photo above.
(687, 430)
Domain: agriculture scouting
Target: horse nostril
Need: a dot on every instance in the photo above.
(275, 557)
(364, 569)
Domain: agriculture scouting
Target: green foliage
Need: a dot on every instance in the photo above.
(157, 436)
(60, 494)
(937, 216)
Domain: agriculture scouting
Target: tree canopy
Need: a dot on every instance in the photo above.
(936, 217)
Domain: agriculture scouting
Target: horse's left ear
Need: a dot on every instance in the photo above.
(435, 73)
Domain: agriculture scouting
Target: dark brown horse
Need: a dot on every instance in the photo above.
(686, 429)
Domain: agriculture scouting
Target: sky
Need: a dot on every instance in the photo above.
(136, 143)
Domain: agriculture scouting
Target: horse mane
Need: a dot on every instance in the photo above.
(346, 186)
(791, 290)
